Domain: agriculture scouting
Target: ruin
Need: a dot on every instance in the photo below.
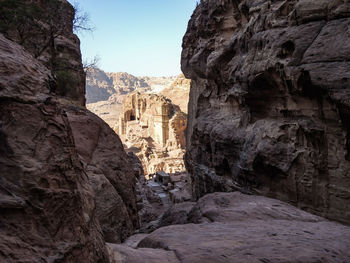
(153, 128)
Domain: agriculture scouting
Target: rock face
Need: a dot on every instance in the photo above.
(54, 45)
(66, 184)
(234, 227)
(154, 129)
(269, 108)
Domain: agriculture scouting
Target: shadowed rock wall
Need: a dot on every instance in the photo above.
(66, 184)
(269, 108)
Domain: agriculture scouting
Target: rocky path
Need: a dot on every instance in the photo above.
(158, 189)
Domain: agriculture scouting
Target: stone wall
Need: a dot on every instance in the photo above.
(269, 106)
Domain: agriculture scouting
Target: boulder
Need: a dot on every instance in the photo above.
(235, 227)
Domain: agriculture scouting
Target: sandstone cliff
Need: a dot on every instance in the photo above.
(269, 107)
(66, 184)
(154, 129)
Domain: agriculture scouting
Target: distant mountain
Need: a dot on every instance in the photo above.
(101, 85)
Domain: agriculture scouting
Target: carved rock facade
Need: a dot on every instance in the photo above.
(154, 129)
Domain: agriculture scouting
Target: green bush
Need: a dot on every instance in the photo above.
(67, 83)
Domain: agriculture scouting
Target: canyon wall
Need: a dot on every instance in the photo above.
(269, 109)
(154, 129)
(66, 184)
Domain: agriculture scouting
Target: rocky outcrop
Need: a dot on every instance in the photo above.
(100, 85)
(234, 227)
(66, 184)
(49, 39)
(177, 214)
(153, 128)
(269, 108)
(104, 161)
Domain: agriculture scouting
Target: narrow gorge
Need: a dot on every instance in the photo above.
(243, 158)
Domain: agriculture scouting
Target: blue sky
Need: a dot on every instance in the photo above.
(141, 37)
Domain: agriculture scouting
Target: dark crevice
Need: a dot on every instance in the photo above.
(264, 94)
(304, 83)
(287, 49)
(261, 166)
(344, 112)
(223, 169)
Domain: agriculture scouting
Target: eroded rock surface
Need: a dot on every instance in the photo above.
(234, 227)
(269, 108)
(66, 184)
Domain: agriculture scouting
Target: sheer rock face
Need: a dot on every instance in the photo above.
(154, 129)
(66, 184)
(269, 108)
(50, 39)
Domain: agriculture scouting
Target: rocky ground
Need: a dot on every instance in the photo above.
(234, 227)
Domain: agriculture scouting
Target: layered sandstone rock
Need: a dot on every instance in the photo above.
(269, 107)
(153, 128)
(49, 39)
(66, 184)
